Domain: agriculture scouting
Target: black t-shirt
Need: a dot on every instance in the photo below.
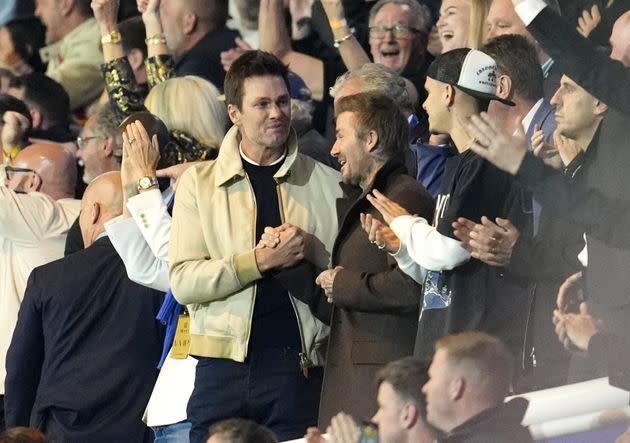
(473, 296)
(274, 323)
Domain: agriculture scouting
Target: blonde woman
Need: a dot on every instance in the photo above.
(462, 23)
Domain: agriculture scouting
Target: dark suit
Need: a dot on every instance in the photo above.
(375, 314)
(204, 59)
(606, 79)
(82, 361)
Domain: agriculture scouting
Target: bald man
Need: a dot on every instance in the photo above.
(195, 33)
(36, 211)
(82, 361)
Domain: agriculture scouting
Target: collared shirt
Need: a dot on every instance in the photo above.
(33, 233)
(249, 160)
(546, 67)
(527, 120)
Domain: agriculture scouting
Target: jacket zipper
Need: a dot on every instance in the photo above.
(305, 362)
(251, 309)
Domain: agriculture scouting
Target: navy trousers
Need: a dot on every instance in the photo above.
(268, 388)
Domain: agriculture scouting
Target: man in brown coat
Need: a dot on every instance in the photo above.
(375, 304)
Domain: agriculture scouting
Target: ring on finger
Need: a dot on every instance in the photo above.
(131, 140)
(477, 141)
(381, 246)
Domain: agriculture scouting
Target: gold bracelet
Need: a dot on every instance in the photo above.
(339, 41)
(157, 39)
(338, 23)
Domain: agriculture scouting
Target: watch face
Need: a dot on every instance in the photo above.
(144, 182)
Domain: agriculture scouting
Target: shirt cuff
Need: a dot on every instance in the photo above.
(145, 200)
(527, 10)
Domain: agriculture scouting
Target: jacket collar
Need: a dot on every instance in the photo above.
(504, 415)
(230, 164)
(379, 182)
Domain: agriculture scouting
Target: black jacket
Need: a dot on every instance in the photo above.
(497, 425)
(204, 59)
(578, 58)
(82, 362)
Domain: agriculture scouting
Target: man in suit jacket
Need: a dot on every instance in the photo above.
(81, 364)
(375, 305)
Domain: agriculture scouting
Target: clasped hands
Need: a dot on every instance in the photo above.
(283, 247)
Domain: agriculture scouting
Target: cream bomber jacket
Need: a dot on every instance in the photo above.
(212, 264)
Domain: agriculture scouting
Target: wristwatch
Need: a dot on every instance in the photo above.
(113, 38)
(145, 183)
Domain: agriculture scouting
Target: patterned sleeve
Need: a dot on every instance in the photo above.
(125, 95)
(159, 68)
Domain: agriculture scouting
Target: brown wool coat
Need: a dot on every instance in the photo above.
(375, 313)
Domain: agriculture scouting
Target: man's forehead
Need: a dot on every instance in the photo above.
(401, 12)
(264, 86)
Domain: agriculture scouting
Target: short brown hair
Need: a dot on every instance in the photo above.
(251, 64)
(239, 430)
(407, 376)
(486, 353)
(373, 111)
(22, 435)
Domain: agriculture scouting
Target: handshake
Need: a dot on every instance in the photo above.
(280, 248)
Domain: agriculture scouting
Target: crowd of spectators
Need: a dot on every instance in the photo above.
(343, 220)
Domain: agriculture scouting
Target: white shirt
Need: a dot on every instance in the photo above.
(142, 243)
(426, 246)
(33, 230)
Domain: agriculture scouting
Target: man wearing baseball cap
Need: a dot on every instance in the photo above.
(461, 293)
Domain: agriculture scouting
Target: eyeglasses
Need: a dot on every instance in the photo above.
(398, 31)
(10, 170)
(81, 140)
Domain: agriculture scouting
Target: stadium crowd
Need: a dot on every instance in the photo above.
(343, 220)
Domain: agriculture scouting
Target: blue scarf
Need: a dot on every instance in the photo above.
(168, 315)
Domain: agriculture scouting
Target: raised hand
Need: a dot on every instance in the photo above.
(504, 150)
(228, 57)
(588, 21)
(142, 153)
(106, 14)
(14, 130)
(148, 6)
(389, 209)
(379, 234)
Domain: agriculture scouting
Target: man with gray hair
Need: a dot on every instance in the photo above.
(100, 144)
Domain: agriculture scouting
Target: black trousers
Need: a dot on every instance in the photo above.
(3, 424)
(268, 388)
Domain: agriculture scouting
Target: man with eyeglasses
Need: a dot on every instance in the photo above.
(36, 210)
(100, 144)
